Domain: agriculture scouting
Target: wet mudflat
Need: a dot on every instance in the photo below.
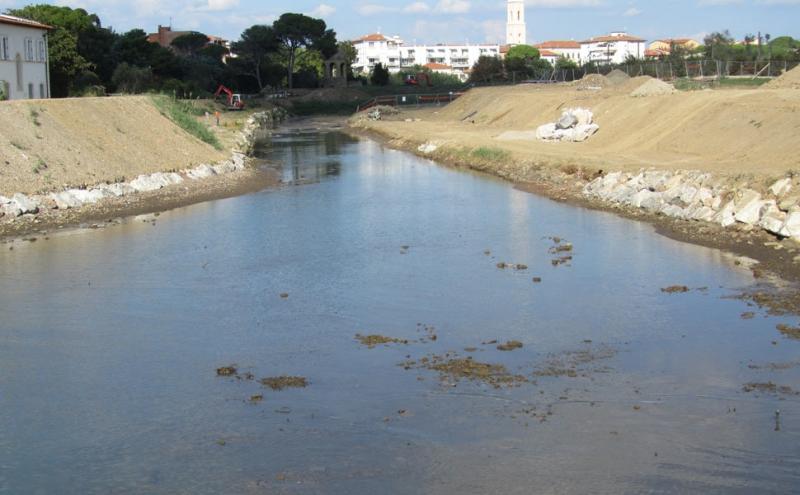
(385, 325)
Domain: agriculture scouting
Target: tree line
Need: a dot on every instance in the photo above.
(88, 58)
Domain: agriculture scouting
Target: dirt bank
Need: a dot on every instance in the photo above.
(127, 186)
(725, 131)
(737, 136)
(49, 145)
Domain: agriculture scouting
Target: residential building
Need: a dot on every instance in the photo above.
(570, 50)
(24, 59)
(613, 48)
(165, 36)
(551, 57)
(516, 29)
(395, 55)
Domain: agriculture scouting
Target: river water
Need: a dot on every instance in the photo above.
(110, 340)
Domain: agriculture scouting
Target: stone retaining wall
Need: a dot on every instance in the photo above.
(694, 195)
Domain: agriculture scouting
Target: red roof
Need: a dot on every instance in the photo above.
(677, 41)
(655, 53)
(19, 21)
(605, 39)
(435, 66)
(548, 53)
(372, 37)
(558, 44)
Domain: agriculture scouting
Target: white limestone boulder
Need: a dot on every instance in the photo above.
(772, 219)
(201, 172)
(748, 207)
(781, 187)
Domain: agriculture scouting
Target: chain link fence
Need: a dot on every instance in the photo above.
(660, 69)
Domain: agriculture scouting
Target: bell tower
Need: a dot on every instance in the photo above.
(516, 29)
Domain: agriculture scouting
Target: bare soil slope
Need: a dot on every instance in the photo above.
(48, 144)
(726, 131)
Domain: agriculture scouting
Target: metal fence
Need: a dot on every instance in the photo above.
(410, 100)
(661, 69)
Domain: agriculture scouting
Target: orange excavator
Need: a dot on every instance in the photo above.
(234, 100)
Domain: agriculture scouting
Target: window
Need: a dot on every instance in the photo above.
(4, 48)
(30, 90)
(42, 94)
(42, 55)
(28, 50)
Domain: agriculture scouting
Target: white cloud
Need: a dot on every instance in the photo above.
(374, 9)
(632, 12)
(417, 8)
(453, 6)
(323, 10)
(778, 2)
(211, 5)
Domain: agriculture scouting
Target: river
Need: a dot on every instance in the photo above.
(110, 340)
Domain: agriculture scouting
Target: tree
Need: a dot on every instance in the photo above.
(524, 52)
(295, 31)
(564, 63)
(718, 45)
(255, 44)
(190, 44)
(487, 69)
(132, 79)
(380, 75)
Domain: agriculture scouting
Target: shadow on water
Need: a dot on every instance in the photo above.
(469, 376)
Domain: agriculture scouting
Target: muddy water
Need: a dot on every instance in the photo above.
(109, 342)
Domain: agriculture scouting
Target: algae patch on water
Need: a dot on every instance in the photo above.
(374, 340)
(510, 345)
(770, 388)
(790, 332)
(282, 382)
(453, 368)
(675, 289)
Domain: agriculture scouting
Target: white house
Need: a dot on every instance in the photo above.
(613, 48)
(395, 55)
(570, 50)
(24, 59)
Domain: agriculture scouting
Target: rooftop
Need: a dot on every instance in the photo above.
(19, 21)
(613, 37)
(558, 44)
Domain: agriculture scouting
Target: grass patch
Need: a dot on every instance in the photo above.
(692, 85)
(490, 154)
(34, 115)
(183, 115)
(39, 166)
(304, 108)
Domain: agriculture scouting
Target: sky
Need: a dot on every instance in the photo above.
(440, 21)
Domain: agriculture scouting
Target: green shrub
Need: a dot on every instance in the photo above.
(183, 114)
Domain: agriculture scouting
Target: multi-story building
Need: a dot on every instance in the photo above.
(570, 50)
(24, 59)
(613, 48)
(165, 36)
(395, 55)
(663, 47)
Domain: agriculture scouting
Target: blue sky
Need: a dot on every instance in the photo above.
(475, 21)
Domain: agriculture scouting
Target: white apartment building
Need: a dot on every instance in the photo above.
(24, 58)
(395, 55)
(613, 48)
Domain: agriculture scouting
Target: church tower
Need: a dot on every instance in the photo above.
(515, 29)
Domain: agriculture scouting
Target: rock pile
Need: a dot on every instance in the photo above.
(692, 195)
(575, 125)
(653, 87)
(256, 127)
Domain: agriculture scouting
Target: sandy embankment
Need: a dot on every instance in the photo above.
(737, 140)
(68, 153)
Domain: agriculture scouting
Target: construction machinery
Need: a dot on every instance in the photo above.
(418, 79)
(234, 100)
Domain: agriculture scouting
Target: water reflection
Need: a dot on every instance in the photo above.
(109, 341)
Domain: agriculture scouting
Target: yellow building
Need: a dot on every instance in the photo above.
(665, 46)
